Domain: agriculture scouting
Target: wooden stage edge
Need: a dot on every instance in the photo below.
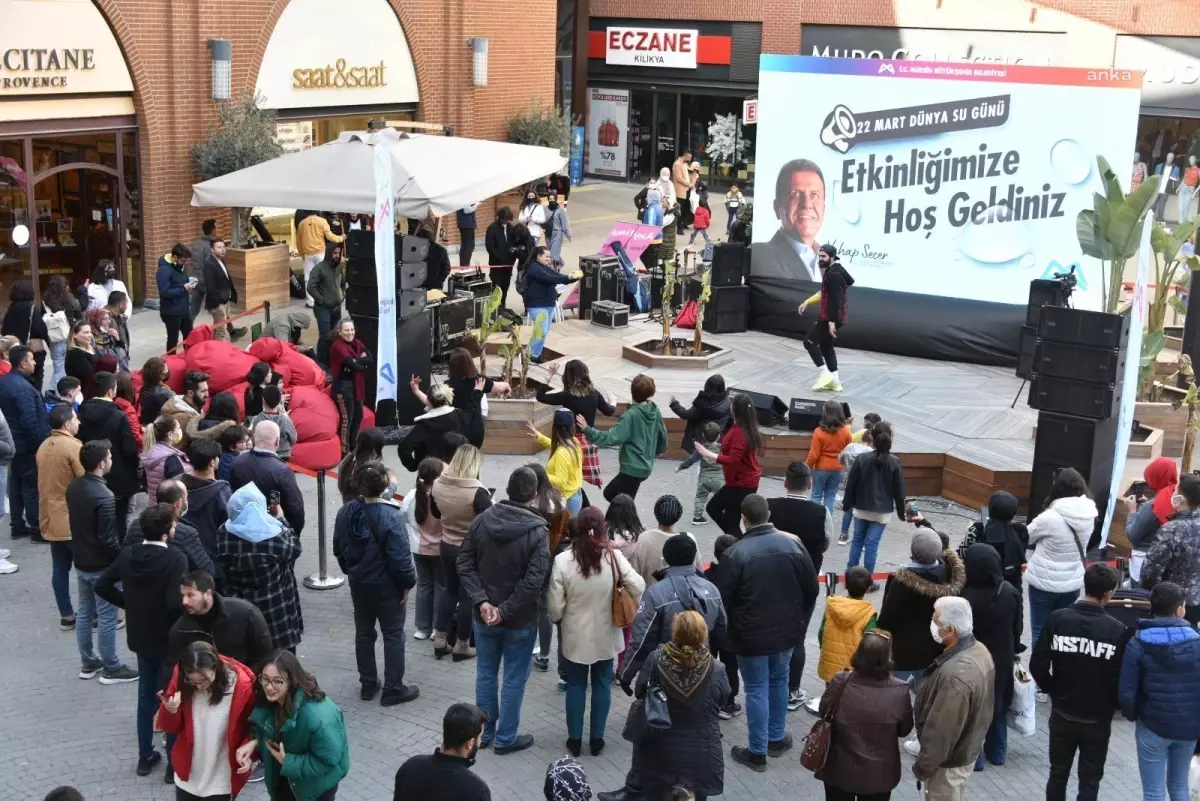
(956, 434)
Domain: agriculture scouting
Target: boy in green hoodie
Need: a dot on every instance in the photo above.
(641, 435)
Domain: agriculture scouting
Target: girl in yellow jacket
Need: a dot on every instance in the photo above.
(565, 466)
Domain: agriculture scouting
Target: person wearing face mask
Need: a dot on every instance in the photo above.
(187, 539)
(446, 773)
(533, 216)
(1174, 556)
(955, 703)
(558, 226)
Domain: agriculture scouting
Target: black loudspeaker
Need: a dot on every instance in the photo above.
(1068, 396)
(1026, 352)
(451, 320)
(728, 264)
(361, 271)
(772, 411)
(1043, 292)
(413, 357)
(365, 300)
(1078, 362)
(1079, 327)
(361, 245)
(804, 414)
(727, 310)
(411, 249)
(1068, 441)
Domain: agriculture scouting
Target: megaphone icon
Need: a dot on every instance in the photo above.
(839, 129)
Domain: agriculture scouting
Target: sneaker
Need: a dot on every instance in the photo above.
(778, 748)
(874, 587)
(403, 695)
(542, 663)
(256, 775)
(843, 539)
(699, 521)
(729, 710)
(823, 382)
(5, 553)
(144, 766)
(66, 623)
(796, 699)
(91, 670)
(96, 623)
(562, 685)
(522, 742)
(744, 756)
(912, 747)
(834, 386)
(121, 674)
(1042, 697)
(169, 774)
(422, 635)
(813, 706)
(38, 538)
(7, 567)
(367, 692)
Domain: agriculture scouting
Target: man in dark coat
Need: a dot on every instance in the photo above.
(221, 292)
(100, 418)
(465, 217)
(201, 249)
(262, 466)
(446, 773)
(174, 293)
(186, 539)
(502, 252)
(503, 565)
(769, 588)
(833, 297)
(207, 498)
(325, 288)
(22, 406)
(236, 628)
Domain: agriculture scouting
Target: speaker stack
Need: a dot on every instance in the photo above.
(728, 307)
(1043, 292)
(414, 327)
(1075, 384)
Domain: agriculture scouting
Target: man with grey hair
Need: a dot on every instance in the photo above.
(262, 467)
(954, 705)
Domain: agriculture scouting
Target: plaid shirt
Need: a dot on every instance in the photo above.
(263, 573)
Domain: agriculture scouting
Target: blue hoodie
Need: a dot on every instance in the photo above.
(1160, 678)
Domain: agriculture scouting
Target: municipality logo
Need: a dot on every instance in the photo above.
(388, 373)
(885, 67)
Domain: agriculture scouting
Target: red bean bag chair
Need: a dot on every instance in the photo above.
(201, 333)
(176, 367)
(368, 420)
(322, 454)
(224, 363)
(314, 414)
(239, 394)
(303, 370)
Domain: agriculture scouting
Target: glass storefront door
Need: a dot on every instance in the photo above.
(666, 125)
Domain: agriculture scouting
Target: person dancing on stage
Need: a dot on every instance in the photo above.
(833, 297)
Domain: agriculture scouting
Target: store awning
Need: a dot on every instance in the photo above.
(431, 173)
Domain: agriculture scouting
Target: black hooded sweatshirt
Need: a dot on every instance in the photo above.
(708, 407)
(835, 283)
(1008, 538)
(149, 576)
(996, 611)
(505, 561)
(207, 499)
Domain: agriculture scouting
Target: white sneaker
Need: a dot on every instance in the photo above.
(421, 635)
(7, 567)
(912, 747)
(1042, 697)
(796, 699)
(813, 706)
(5, 553)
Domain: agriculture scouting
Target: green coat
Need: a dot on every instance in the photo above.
(317, 755)
(642, 435)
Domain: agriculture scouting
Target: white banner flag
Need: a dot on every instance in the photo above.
(385, 275)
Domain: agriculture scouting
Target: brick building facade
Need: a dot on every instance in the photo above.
(169, 107)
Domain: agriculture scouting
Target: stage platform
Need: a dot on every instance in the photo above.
(954, 430)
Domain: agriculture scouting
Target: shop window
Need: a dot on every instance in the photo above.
(730, 156)
(14, 212)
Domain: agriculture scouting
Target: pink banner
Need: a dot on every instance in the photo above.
(635, 238)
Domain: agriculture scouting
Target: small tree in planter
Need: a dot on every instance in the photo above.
(726, 145)
(516, 352)
(701, 302)
(488, 325)
(669, 283)
(244, 137)
(1167, 246)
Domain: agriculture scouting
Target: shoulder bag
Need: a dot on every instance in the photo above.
(624, 610)
(57, 325)
(649, 713)
(820, 737)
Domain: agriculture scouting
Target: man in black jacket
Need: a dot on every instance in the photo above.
(99, 418)
(94, 545)
(22, 406)
(208, 497)
(325, 288)
(236, 628)
(465, 217)
(220, 293)
(769, 588)
(446, 773)
(1077, 662)
(798, 514)
(262, 466)
(186, 540)
(503, 565)
(835, 285)
(144, 581)
(502, 253)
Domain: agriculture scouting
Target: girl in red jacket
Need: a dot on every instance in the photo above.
(701, 220)
(207, 708)
(740, 449)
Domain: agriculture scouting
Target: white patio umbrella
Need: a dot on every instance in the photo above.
(429, 173)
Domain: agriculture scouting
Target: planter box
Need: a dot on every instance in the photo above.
(1172, 422)
(260, 274)
(716, 356)
(505, 426)
(1148, 445)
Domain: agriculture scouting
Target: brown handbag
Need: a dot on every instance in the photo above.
(820, 737)
(624, 610)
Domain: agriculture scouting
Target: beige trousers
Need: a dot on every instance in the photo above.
(949, 784)
(219, 316)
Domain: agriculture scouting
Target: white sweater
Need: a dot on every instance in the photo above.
(210, 773)
(1057, 536)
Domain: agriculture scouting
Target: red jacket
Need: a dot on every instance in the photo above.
(738, 460)
(131, 414)
(180, 724)
(701, 219)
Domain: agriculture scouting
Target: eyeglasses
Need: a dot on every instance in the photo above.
(275, 684)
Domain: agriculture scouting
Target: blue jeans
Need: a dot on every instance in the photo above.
(825, 485)
(995, 744)
(847, 517)
(326, 320)
(91, 606)
(150, 670)
(867, 535)
(765, 679)
(577, 681)
(1041, 604)
(515, 648)
(58, 354)
(23, 495)
(60, 576)
(540, 332)
(1163, 765)
(575, 503)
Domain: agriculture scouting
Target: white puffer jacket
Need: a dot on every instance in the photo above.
(1057, 535)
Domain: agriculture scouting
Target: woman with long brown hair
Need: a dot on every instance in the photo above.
(740, 448)
(155, 391)
(582, 582)
(81, 353)
(425, 534)
(462, 377)
(293, 717)
(207, 709)
(583, 399)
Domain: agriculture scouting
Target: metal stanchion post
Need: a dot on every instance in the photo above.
(321, 580)
(267, 310)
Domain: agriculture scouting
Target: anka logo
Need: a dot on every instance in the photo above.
(888, 68)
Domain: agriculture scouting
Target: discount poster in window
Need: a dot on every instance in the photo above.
(608, 132)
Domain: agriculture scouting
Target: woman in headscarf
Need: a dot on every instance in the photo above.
(1146, 515)
(689, 752)
(1008, 538)
(996, 610)
(258, 551)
